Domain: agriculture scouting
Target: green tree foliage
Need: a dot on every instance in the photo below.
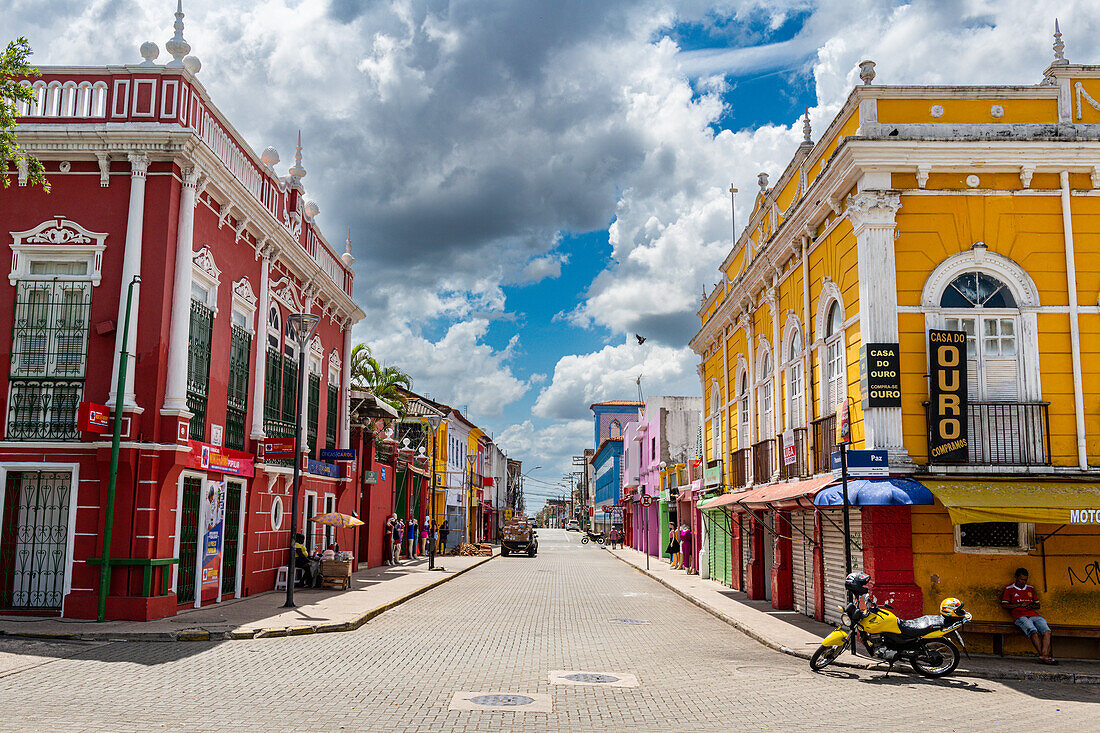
(385, 383)
(13, 65)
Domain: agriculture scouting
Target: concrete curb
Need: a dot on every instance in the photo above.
(1036, 676)
(269, 633)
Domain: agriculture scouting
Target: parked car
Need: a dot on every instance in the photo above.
(573, 526)
(519, 536)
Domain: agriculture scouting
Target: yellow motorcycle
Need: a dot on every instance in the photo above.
(927, 643)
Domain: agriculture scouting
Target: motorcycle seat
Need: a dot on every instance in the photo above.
(917, 627)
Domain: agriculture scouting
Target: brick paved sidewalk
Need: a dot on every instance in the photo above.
(792, 633)
(259, 616)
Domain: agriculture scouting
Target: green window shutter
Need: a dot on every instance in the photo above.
(314, 411)
(332, 409)
(273, 385)
(290, 390)
(198, 366)
(240, 349)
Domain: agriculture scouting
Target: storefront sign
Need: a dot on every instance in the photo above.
(213, 536)
(865, 463)
(92, 418)
(209, 457)
(507, 515)
(790, 455)
(947, 409)
(338, 454)
(880, 375)
(712, 475)
(278, 448)
(320, 468)
(370, 477)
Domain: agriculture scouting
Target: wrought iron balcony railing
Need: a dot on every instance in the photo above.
(801, 466)
(824, 442)
(43, 409)
(740, 468)
(1005, 434)
(763, 461)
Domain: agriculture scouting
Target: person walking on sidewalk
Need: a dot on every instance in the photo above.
(613, 536)
(395, 539)
(687, 560)
(673, 548)
(444, 530)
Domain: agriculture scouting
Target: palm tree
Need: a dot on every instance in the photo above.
(385, 383)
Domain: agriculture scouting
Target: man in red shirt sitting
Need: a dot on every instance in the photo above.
(1022, 600)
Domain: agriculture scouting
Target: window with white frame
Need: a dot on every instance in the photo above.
(994, 538)
(836, 384)
(715, 424)
(796, 383)
(743, 407)
(766, 396)
(983, 307)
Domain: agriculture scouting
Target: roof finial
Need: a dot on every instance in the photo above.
(297, 171)
(1059, 47)
(806, 129)
(348, 258)
(176, 45)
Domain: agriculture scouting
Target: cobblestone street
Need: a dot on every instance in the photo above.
(503, 628)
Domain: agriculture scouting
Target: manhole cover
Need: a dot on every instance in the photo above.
(627, 621)
(501, 701)
(591, 678)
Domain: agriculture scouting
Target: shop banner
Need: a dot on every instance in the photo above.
(337, 454)
(207, 457)
(790, 455)
(843, 423)
(92, 418)
(880, 375)
(947, 395)
(319, 468)
(212, 538)
(276, 448)
(712, 475)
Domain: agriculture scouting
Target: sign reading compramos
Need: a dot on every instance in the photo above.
(947, 409)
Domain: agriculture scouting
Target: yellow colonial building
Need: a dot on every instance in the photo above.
(933, 260)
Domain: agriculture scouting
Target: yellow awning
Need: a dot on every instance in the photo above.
(1045, 502)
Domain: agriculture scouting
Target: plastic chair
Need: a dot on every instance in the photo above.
(280, 577)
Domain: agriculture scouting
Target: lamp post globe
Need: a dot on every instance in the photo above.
(300, 328)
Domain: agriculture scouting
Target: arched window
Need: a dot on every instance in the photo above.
(796, 383)
(836, 385)
(715, 423)
(743, 403)
(984, 308)
(274, 328)
(615, 429)
(766, 396)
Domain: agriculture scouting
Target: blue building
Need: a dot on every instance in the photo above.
(607, 469)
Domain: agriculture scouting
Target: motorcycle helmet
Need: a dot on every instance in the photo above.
(857, 583)
(952, 608)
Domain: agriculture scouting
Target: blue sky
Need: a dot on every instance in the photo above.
(531, 182)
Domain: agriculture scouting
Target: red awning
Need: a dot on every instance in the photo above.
(722, 500)
(798, 495)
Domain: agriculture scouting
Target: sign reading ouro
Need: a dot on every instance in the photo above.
(947, 409)
(880, 375)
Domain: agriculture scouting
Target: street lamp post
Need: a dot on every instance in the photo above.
(300, 327)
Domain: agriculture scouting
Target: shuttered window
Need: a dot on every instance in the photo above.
(836, 388)
(240, 349)
(796, 385)
(332, 409)
(766, 429)
(743, 438)
(198, 366)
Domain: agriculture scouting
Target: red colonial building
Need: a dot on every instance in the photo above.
(149, 179)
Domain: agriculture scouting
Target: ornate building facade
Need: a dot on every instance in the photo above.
(152, 185)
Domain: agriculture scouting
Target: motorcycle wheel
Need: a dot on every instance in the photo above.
(600, 540)
(584, 540)
(935, 658)
(826, 655)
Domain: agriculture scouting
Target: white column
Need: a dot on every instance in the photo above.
(344, 439)
(131, 265)
(872, 214)
(303, 379)
(1074, 325)
(259, 346)
(179, 336)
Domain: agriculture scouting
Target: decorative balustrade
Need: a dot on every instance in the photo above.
(144, 96)
(1006, 434)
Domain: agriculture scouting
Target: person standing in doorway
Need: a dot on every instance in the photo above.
(444, 530)
(673, 548)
